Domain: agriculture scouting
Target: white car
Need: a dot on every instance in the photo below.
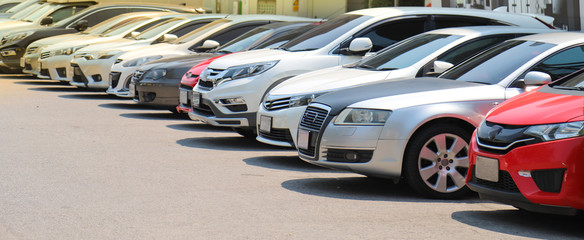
(52, 48)
(421, 55)
(91, 65)
(419, 129)
(231, 89)
(54, 59)
(206, 38)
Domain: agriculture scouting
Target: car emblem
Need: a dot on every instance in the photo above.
(495, 130)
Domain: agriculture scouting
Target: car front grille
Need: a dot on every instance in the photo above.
(312, 120)
(276, 104)
(505, 182)
(207, 78)
(45, 54)
(137, 76)
(282, 135)
(501, 139)
(31, 50)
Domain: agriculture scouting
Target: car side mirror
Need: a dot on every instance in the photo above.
(441, 66)
(47, 21)
(536, 78)
(208, 45)
(168, 37)
(81, 25)
(134, 34)
(360, 46)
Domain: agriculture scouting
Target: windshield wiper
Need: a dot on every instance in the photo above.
(578, 88)
(283, 48)
(302, 50)
(365, 66)
(386, 69)
(223, 51)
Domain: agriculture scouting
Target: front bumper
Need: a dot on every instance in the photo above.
(30, 64)
(10, 58)
(208, 112)
(374, 157)
(91, 73)
(283, 125)
(57, 67)
(544, 177)
(163, 93)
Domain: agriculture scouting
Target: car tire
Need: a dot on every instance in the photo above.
(247, 133)
(436, 162)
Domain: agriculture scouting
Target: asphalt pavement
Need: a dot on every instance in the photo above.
(78, 164)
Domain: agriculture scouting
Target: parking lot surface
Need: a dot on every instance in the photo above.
(77, 164)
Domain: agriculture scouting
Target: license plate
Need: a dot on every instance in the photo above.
(132, 88)
(196, 99)
(487, 169)
(303, 138)
(22, 62)
(183, 97)
(265, 124)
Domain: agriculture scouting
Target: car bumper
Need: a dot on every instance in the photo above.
(374, 156)
(91, 73)
(208, 113)
(547, 177)
(282, 125)
(56, 67)
(30, 64)
(163, 93)
(184, 105)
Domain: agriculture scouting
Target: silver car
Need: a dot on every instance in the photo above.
(419, 129)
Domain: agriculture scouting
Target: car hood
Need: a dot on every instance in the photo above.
(334, 78)
(543, 106)
(161, 49)
(253, 56)
(187, 61)
(392, 95)
(57, 40)
(73, 42)
(122, 44)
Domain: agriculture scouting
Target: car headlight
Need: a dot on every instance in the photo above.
(17, 36)
(155, 74)
(550, 132)
(303, 100)
(140, 61)
(359, 116)
(243, 71)
(69, 50)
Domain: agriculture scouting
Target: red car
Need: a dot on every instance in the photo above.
(529, 151)
(188, 82)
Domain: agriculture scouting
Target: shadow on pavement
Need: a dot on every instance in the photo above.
(131, 105)
(235, 143)
(95, 96)
(360, 188)
(288, 163)
(196, 126)
(524, 224)
(41, 82)
(163, 115)
(58, 89)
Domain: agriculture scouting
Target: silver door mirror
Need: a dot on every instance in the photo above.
(134, 34)
(360, 45)
(441, 66)
(209, 44)
(537, 78)
(168, 37)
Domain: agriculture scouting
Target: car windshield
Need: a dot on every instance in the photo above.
(201, 31)
(47, 8)
(244, 41)
(574, 82)
(505, 58)
(157, 29)
(25, 12)
(407, 52)
(124, 26)
(108, 25)
(326, 33)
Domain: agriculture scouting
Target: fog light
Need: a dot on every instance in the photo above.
(232, 101)
(6, 53)
(524, 173)
(351, 156)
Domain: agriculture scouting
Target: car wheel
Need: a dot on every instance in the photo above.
(247, 133)
(436, 162)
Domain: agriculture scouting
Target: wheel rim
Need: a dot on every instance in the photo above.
(443, 163)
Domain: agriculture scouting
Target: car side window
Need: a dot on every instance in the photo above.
(468, 49)
(446, 21)
(146, 26)
(229, 34)
(391, 32)
(187, 28)
(562, 63)
(99, 16)
(65, 12)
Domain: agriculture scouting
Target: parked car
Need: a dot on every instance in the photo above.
(205, 39)
(188, 82)
(14, 44)
(21, 10)
(55, 53)
(529, 150)
(232, 88)
(425, 54)
(419, 129)
(6, 5)
(92, 64)
(156, 83)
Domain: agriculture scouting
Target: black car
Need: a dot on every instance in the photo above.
(13, 48)
(157, 82)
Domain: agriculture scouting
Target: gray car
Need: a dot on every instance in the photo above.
(419, 129)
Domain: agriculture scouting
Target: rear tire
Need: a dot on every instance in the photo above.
(436, 162)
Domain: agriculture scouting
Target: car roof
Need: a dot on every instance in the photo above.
(509, 18)
(558, 38)
(268, 17)
(489, 30)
